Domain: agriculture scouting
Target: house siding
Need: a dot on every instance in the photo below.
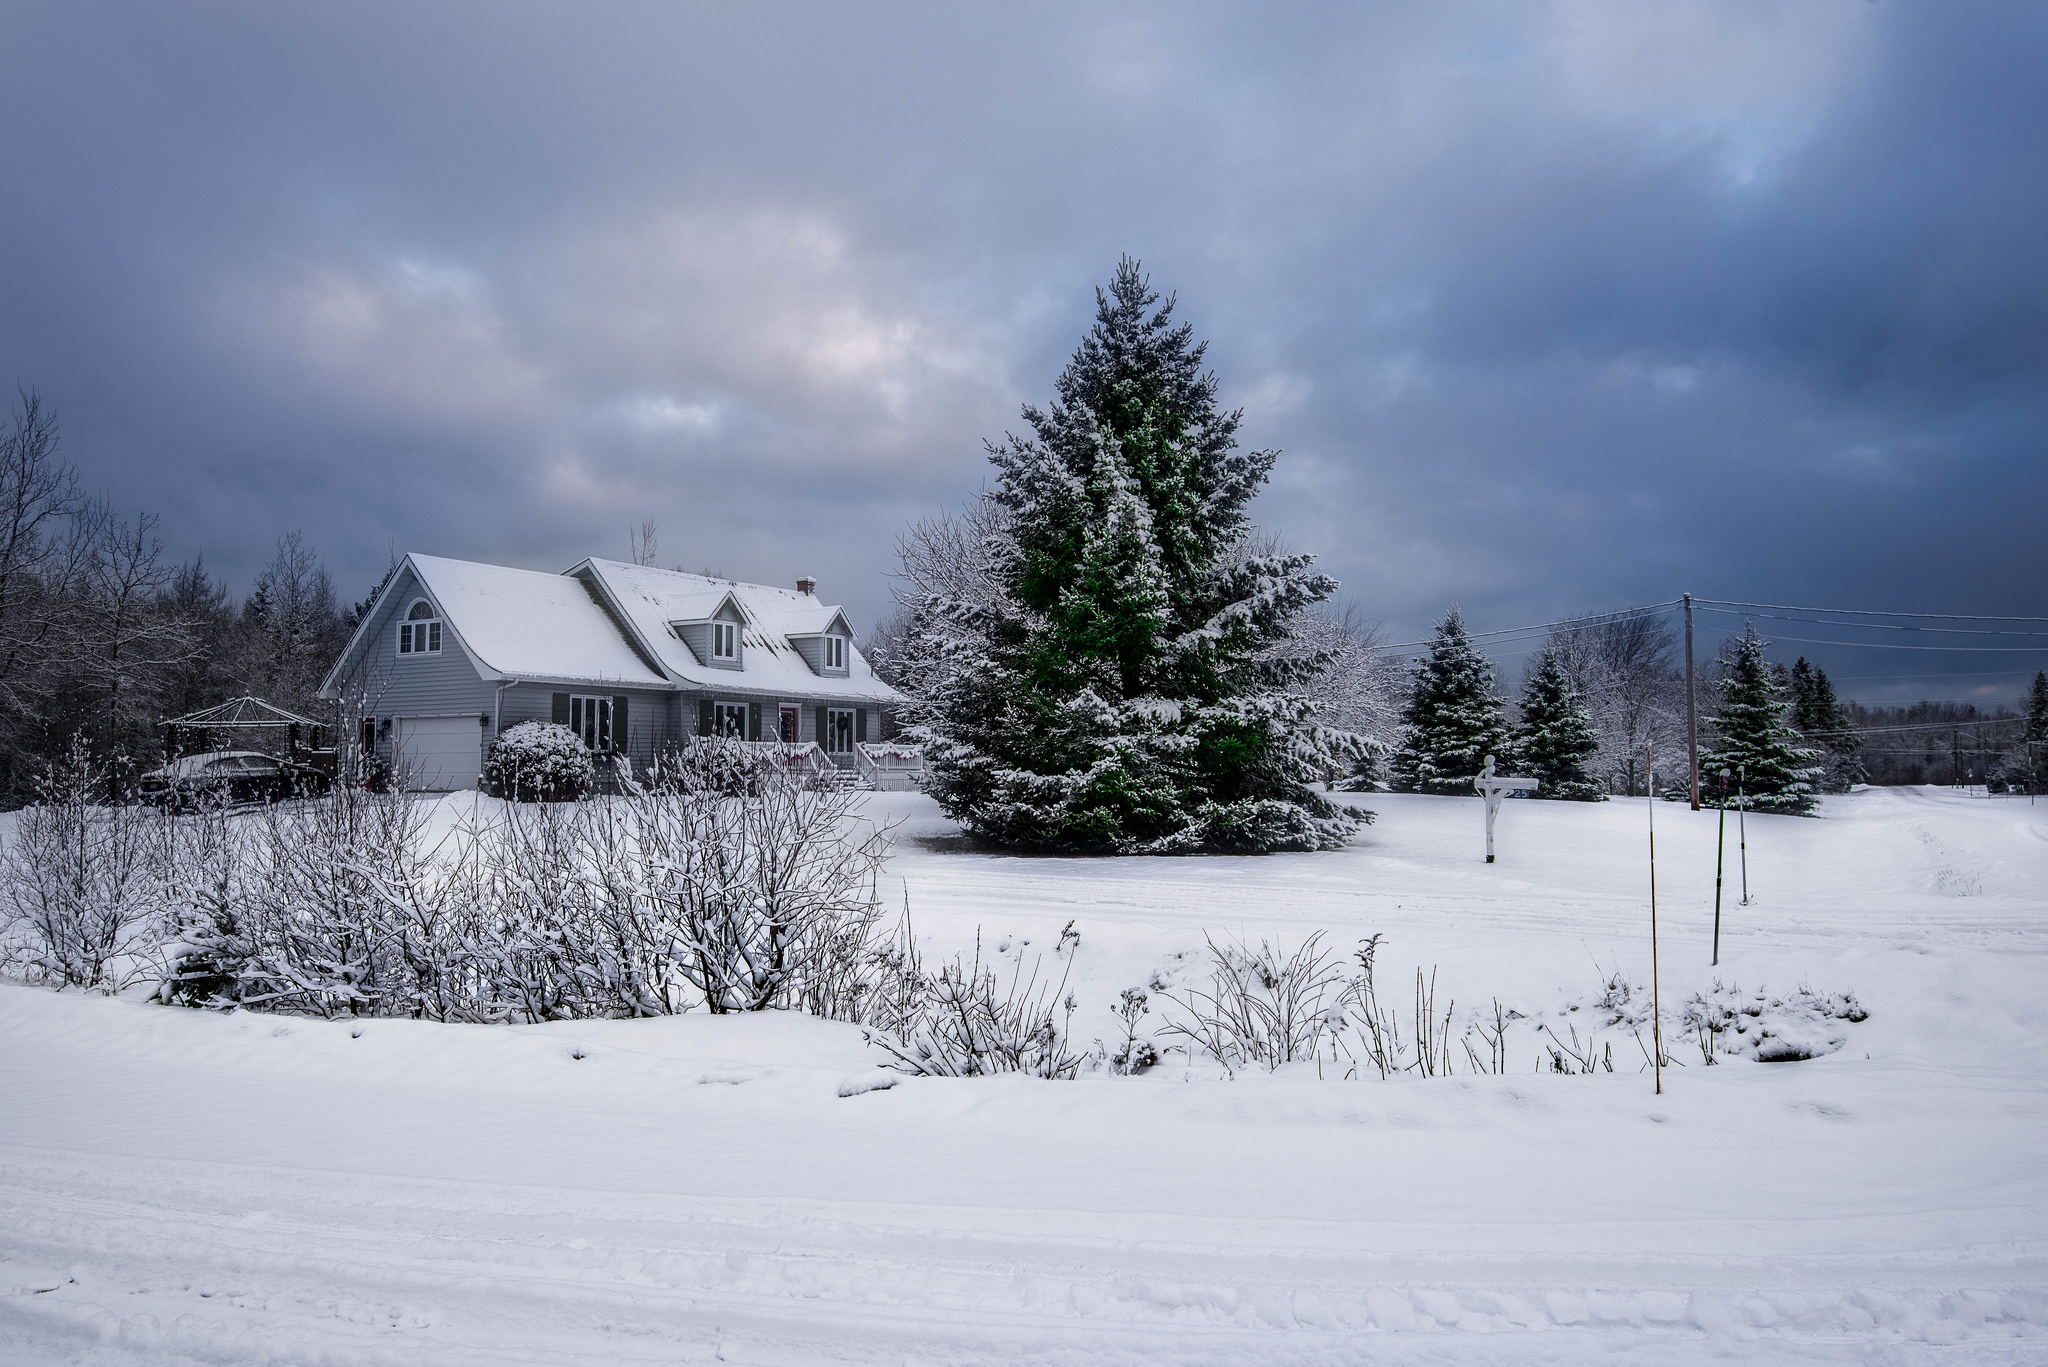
(812, 649)
(650, 715)
(697, 636)
(763, 706)
(383, 684)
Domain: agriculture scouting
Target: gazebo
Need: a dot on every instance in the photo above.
(215, 728)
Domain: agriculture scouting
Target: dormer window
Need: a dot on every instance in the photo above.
(420, 632)
(725, 641)
(835, 652)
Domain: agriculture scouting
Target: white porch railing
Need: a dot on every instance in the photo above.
(885, 766)
(806, 756)
(888, 766)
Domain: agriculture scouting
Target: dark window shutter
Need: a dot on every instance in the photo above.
(860, 725)
(753, 721)
(818, 729)
(619, 733)
(704, 717)
(561, 709)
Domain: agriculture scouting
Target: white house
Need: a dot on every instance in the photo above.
(633, 659)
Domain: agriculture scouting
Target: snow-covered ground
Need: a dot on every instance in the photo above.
(186, 1187)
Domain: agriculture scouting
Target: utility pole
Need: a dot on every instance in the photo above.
(1692, 708)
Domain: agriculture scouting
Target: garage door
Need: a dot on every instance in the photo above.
(440, 753)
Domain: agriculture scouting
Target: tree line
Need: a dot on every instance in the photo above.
(1603, 696)
(102, 635)
(2005, 747)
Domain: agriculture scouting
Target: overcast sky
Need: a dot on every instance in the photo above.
(1550, 307)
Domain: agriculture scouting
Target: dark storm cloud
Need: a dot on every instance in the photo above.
(1550, 306)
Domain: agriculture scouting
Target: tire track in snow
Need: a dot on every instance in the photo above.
(173, 1260)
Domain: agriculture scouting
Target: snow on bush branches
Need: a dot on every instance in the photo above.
(647, 904)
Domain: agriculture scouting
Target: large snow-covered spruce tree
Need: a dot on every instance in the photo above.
(1556, 736)
(1453, 720)
(1099, 676)
(1753, 739)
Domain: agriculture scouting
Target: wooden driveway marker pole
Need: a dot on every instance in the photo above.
(1656, 998)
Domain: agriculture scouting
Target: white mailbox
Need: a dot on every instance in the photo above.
(1493, 787)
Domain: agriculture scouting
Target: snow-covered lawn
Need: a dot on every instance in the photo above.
(178, 1186)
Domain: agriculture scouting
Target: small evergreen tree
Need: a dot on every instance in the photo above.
(1819, 717)
(1556, 736)
(1753, 739)
(1100, 679)
(2034, 733)
(1453, 719)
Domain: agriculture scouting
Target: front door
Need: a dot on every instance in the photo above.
(791, 727)
(839, 731)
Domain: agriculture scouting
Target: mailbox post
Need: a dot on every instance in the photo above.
(1492, 788)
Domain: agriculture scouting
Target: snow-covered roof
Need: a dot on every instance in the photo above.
(523, 624)
(605, 621)
(244, 712)
(650, 599)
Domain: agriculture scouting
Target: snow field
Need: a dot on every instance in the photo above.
(178, 1186)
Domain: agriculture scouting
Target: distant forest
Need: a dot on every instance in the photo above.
(1966, 744)
(100, 636)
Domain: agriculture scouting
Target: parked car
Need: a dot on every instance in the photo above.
(230, 776)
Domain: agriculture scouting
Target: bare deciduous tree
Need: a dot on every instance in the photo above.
(1626, 669)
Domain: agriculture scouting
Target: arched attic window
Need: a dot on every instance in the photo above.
(420, 632)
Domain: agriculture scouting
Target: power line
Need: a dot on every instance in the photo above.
(1524, 631)
(1869, 612)
(1875, 626)
(1887, 645)
(1933, 674)
(1918, 726)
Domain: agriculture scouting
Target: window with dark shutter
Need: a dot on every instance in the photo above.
(592, 719)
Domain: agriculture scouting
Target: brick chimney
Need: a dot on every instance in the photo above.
(806, 584)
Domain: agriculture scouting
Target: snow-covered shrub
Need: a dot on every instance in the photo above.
(761, 893)
(86, 884)
(1755, 1025)
(349, 912)
(208, 956)
(962, 1021)
(538, 761)
(737, 768)
(1262, 1007)
(560, 927)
